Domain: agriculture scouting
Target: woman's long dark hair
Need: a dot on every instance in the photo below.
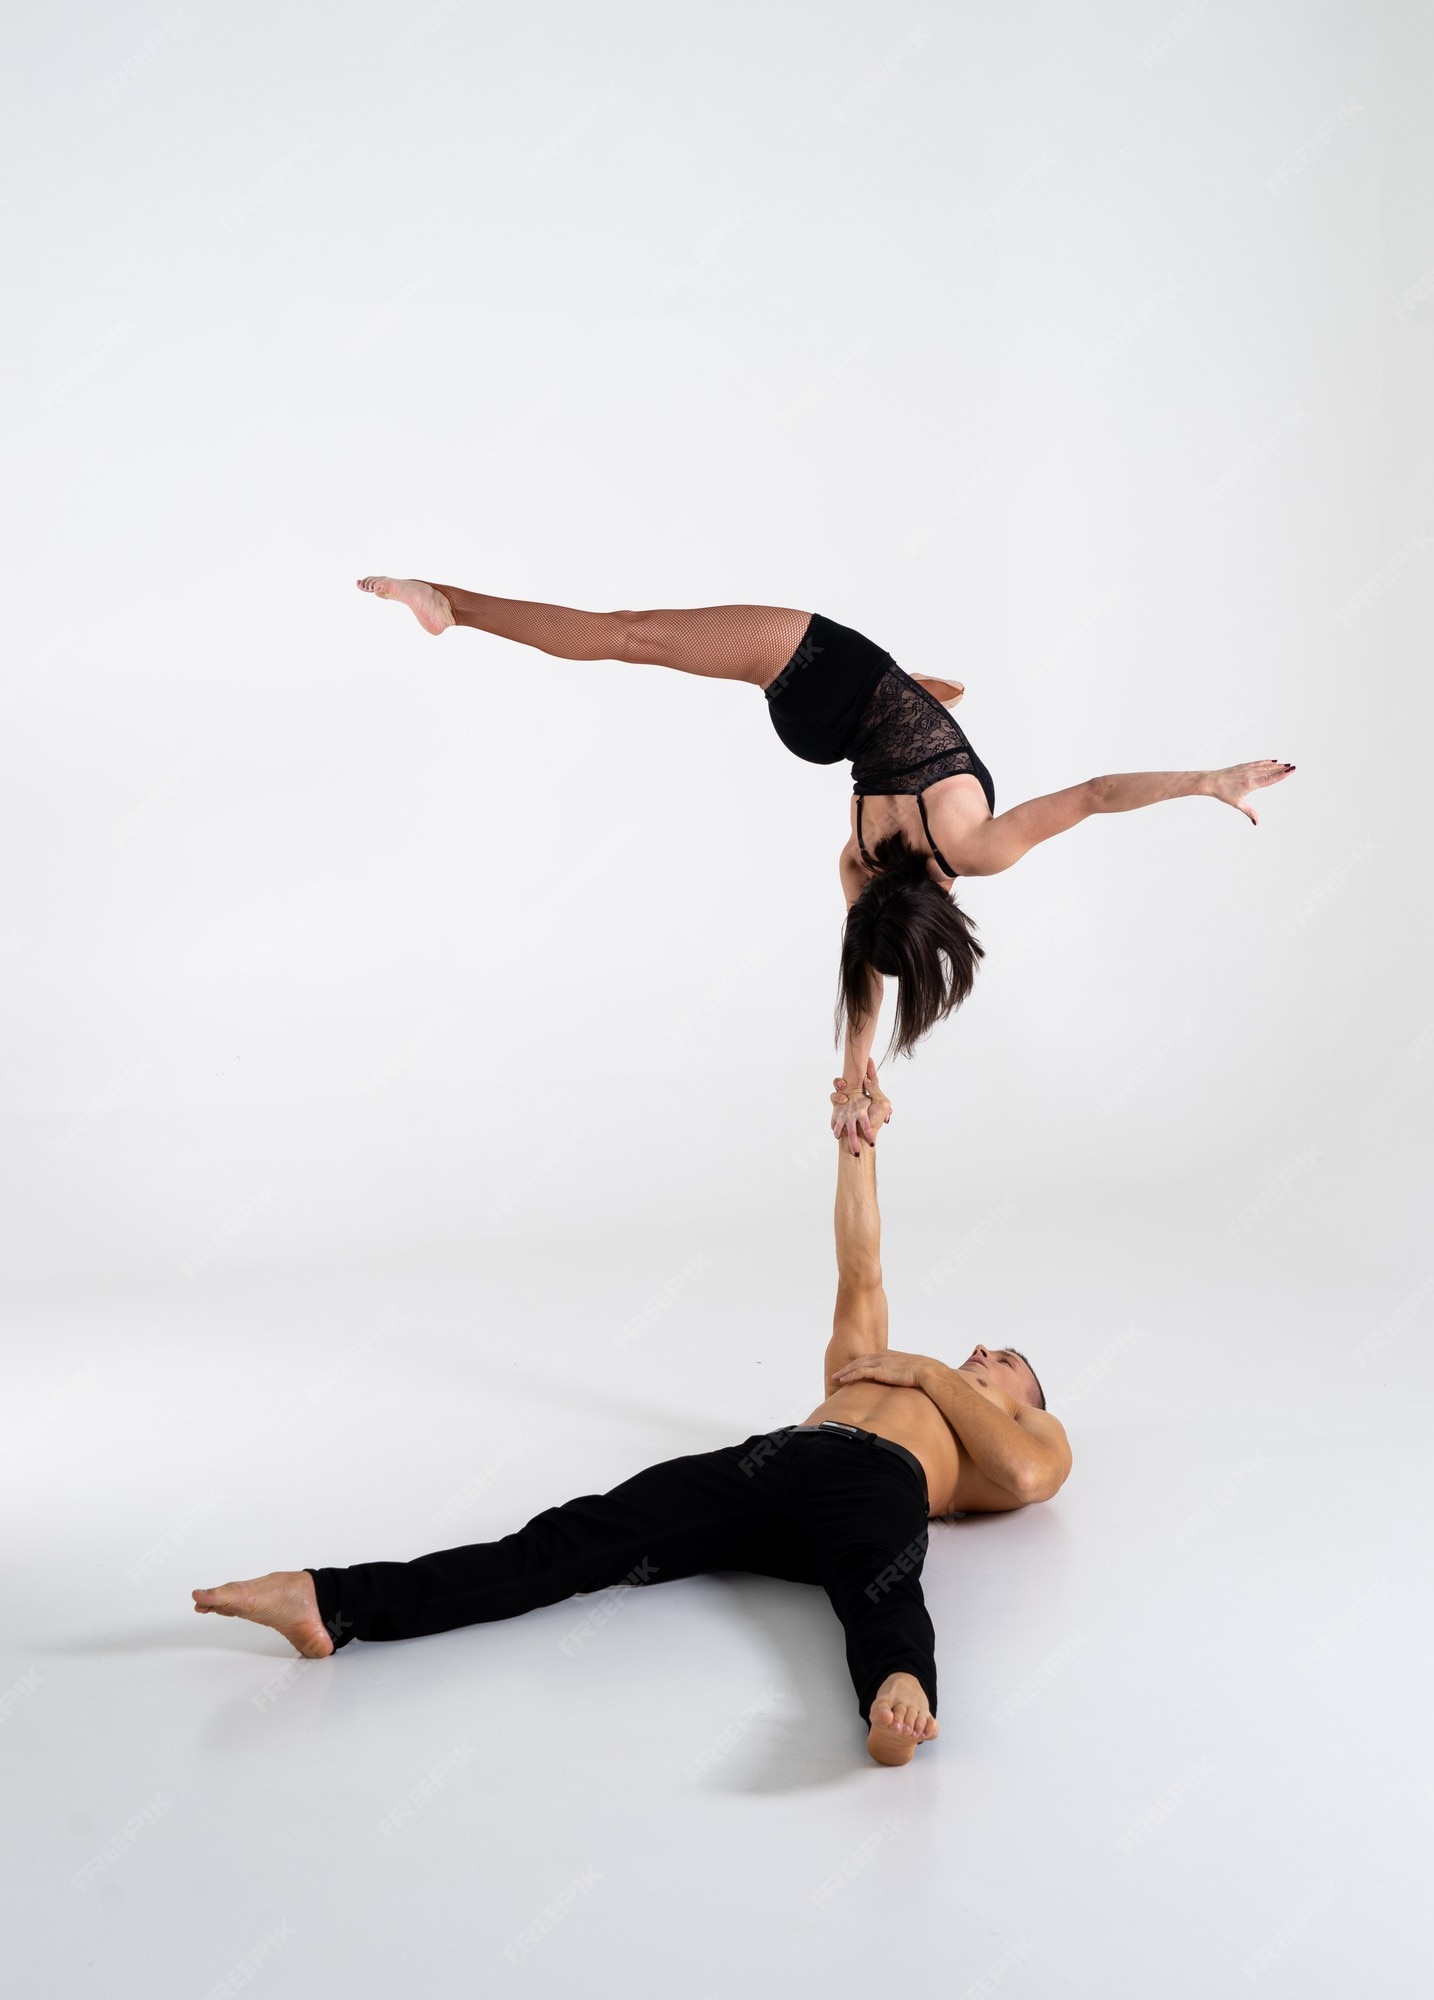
(905, 925)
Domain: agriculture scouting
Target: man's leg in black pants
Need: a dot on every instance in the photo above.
(675, 1519)
(876, 1593)
(864, 1514)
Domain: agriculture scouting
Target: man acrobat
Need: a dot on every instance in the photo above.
(842, 1499)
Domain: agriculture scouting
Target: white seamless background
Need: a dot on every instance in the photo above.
(416, 1052)
(1082, 355)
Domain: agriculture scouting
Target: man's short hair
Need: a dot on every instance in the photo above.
(1040, 1392)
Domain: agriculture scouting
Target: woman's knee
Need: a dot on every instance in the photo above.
(636, 638)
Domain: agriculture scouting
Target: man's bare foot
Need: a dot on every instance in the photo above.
(284, 1599)
(900, 1719)
(429, 606)
(948, 693)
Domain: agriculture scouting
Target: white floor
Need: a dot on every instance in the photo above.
(1185, 1745)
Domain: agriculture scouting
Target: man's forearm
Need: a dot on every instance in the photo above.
(1125, 790)
(858, 1219)
(995, 1441)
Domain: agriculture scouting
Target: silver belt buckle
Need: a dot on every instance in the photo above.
(845, 1430)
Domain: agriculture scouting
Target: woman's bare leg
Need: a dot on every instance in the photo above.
(734, 642)
(731, 642)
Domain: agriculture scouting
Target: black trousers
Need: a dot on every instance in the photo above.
(809, 1506)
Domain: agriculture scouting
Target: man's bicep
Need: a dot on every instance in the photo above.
(858, 1326)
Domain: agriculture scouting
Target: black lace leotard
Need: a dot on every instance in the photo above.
(840, 696)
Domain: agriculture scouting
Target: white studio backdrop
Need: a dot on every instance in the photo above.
(1083, 354)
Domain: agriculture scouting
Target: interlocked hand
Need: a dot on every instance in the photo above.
(859, 1114)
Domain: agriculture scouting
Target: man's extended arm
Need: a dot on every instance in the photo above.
(859, 1322)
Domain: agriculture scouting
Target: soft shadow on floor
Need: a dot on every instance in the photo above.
(802, 1731)
(208, 1635)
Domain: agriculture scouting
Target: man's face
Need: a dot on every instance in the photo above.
(998, 1369)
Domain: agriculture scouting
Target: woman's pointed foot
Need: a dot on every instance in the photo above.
(948, 693)
(429, 606)
(284, 1600)
(900, 1719)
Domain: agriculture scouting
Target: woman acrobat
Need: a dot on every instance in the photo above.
(923, 808)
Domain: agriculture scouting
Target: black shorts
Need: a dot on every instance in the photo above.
(818, 699)
(839, 697)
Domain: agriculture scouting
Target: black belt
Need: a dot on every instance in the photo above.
(863, 1437)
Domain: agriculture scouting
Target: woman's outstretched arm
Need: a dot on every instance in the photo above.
(850, 1121)
(998, 843)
